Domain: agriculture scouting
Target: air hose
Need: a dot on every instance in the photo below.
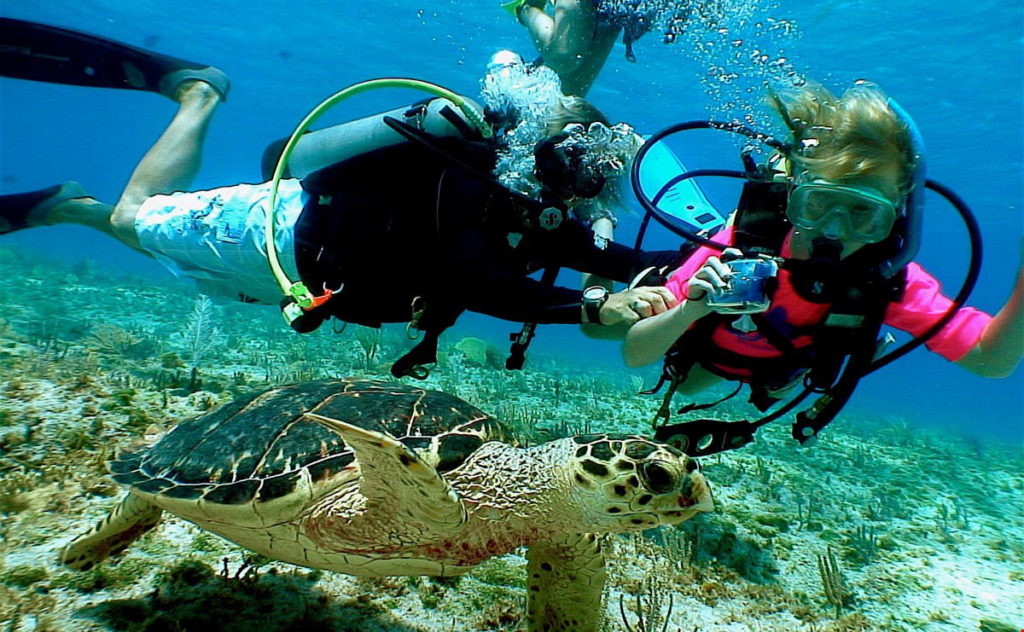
(297, 298)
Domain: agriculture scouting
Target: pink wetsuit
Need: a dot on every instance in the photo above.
(921, 306)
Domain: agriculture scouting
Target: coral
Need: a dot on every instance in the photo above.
(648, 603)
(480, 353)
(200, 335)
(832, 581)
(369, 344)
(111, 339)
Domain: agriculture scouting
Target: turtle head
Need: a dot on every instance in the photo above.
(629, 483)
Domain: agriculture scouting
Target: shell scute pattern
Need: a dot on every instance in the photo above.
(262, 448)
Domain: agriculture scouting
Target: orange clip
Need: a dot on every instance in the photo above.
(323, 298)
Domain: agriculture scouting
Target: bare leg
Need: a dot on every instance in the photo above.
(539, 24)
(86, 211)
(570, 41)
(173, 161)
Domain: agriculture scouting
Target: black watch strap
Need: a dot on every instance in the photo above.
(592, 307)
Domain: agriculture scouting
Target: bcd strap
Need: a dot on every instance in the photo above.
(707, 436)
(689, 408)
(812, 421)
(521, 341)
(430, 315)
(415, 362)
(761, 225)
(548, 214)
(468, 131)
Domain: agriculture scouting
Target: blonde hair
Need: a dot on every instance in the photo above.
(856, 135)
(573, 110)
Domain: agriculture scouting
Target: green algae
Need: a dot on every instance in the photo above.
(23, 576)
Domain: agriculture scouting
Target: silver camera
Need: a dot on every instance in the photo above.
(746, 289)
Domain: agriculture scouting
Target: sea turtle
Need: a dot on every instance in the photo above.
(381, 478)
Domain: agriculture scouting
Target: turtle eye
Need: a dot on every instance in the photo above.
(657, 478)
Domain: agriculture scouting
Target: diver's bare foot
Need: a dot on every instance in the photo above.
(196, 92)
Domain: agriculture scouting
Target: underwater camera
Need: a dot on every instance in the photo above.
(747, 288)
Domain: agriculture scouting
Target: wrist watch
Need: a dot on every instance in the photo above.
(593, 298)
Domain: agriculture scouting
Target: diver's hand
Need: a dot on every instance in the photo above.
(713, 276)
(630, 306)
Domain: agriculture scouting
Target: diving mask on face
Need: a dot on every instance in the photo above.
(865, 214)
(581, 159)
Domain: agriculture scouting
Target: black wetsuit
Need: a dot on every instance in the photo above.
(400, 222)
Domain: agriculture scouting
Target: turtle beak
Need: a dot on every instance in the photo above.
(696, 495)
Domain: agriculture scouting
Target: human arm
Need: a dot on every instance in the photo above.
(1001, 346)
(604, 231)
(649, 339)
(505, 294)
(985, 345)
(499, 286)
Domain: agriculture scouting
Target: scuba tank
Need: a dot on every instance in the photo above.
(320, 148)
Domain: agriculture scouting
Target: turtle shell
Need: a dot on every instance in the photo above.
(257, 448)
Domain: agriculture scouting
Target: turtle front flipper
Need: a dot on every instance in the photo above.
(132, 517)
(565, 581)
(394, 479)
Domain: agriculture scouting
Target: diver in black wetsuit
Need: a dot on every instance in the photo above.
(444, 233)
(404, 230)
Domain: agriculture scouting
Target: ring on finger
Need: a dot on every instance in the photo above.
(635, 305)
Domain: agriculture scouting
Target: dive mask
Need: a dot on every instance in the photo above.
(866, 215)
(564, 170)
(581, 159)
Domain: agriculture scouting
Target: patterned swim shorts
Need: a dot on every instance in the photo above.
(218, 237)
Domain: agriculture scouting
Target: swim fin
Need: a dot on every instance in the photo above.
(29, 50)
(512, 6)
(27, 210)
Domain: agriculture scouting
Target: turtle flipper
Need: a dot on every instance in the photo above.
(132, 517)
(565, 579)
(395, 479)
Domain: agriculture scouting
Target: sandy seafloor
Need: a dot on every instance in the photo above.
(924, 525)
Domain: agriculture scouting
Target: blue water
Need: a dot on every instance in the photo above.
(956, 67)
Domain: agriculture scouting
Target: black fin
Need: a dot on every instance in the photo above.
(29, 50)
(26, 210)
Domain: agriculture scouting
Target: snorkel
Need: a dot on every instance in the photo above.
(913, 208)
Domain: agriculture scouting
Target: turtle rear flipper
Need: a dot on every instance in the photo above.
(396, 480)
(132, 517)
(565, 579)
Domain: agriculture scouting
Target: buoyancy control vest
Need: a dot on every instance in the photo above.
(422, 163)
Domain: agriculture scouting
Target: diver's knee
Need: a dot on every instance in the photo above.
(122, 221)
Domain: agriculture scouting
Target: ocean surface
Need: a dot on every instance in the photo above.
(917, 485)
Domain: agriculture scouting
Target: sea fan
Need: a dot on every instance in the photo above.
(200, 334)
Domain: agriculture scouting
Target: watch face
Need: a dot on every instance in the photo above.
(594, 293)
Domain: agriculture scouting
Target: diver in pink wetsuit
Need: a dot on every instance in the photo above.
(843, 196)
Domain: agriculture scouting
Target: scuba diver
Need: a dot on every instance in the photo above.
(834, 220)
(395, 217)
(575, 38)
